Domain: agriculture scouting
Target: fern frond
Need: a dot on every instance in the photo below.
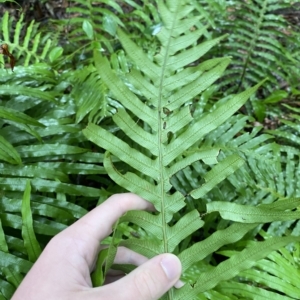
(157, 131)
(241, 260)
(102, 17)
(25, 43)
(260, 43)
(277, 272)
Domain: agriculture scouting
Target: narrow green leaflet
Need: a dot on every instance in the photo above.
(47, 227)
(134, 158)
(12, 276)
(98, 275)
(200, 250)
(209, 156)
(19, 117)
(145, 220)
(88, 29)
(3, 244)
(19, 264)
(73, 168)
(106, 258)
(281, 279)
(141, 58)
(51, 211)
(30, 242)
(221, 171)
(8, 153)
(69, 208)
(33, 171)
(232, 266)
(183, 228)
(133, 103)
(249, 214)
(247, 291)
(49, 149)
(6, 290)
(42, 185)
(27, 91)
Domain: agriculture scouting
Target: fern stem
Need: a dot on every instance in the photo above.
(160, 112)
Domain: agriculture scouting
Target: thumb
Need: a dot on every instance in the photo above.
(147, 282)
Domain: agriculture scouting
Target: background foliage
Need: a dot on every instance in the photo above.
(228, 185)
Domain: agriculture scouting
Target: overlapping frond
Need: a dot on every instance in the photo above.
(260, 38)
(277, 272)
(26, 43)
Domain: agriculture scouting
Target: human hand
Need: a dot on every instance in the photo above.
(63, 269)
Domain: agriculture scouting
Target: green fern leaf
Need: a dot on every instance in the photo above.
(8, 152)
(30, 242)
(3, 244)
(26, 45)
(231, 267)
(155, 100)
(246, 214)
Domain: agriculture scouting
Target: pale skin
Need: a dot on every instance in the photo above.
(63, 269)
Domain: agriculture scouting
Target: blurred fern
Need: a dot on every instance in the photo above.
(24, 41)
(259, 38)
(261, 43)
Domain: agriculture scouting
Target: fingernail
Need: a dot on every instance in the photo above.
(179, 284)
(170, 267)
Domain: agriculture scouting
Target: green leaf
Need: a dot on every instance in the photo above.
(249, 214)
(12, 276)
(3, 244)
(16, 184)
(14, 115)
(16, 263)
(98, 275)
(33, 171)
(27, 91)
(232, 266)
(30, 242)
(221, 171)
(8, 153)
(88, 29)
(202, 249)
(106, 258)
(276, 96)
(55, 54)
(109, 25)
(248, 292)
(132, 102)
(49, 228)
(49, 149)
(134, 158)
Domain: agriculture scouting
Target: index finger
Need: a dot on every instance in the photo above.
(87, 232)
(99, 221)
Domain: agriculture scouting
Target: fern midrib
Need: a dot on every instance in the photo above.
(160, 145)
(159, 136)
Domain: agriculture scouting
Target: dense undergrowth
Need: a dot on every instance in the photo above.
(193, 105)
